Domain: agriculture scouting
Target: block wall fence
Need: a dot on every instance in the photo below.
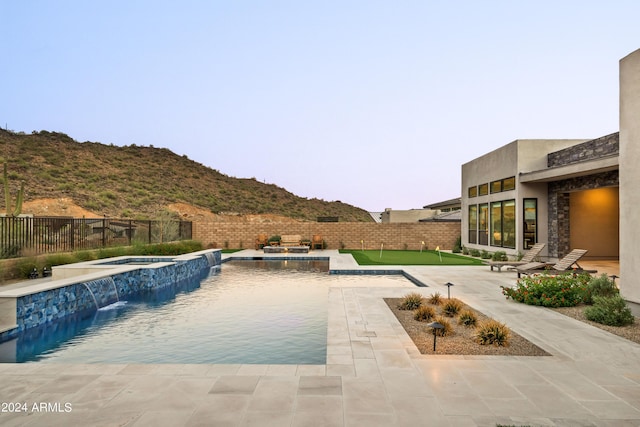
(337, 235)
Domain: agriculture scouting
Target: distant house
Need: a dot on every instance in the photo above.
(429, 212)
(446, 206)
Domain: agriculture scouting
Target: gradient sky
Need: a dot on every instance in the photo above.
(374, 103)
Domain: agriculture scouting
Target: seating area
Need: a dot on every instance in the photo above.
(531, 256)
(568, 263)
(292, 243)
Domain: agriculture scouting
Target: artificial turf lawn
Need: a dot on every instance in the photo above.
(372, 257)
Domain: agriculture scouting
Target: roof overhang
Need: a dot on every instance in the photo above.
(589, 167)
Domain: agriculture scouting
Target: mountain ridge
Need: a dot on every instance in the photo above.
(143, 182)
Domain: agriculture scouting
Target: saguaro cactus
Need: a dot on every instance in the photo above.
(18, 209)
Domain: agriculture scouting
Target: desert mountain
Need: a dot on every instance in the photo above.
(64, 177)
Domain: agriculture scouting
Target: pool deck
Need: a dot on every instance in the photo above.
(374, 375)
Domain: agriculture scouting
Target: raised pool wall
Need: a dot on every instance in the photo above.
(68, 292)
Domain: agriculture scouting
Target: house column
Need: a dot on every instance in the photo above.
(630, 176)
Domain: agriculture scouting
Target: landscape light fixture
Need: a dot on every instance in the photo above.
(435, 326)
(613, 278)
(449, 285)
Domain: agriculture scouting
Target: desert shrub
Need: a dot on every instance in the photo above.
(451, 307)
(467, 318)
(600, 286)
(435, 299)
(111, 252)
(85, 255)
(275, 238)
(60, 259)
(610, 310)
(457, 246)
(499, 256)
(411, 301)
(447, 328)
(493, 332)
(424, 313)
(25, 266)
(563, 290)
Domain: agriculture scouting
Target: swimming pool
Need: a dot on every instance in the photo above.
(253, 312)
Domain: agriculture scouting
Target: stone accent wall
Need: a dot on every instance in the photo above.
(337, 235)
(590, 150)
(558, 244)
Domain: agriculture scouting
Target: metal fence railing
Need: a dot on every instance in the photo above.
(39, 235)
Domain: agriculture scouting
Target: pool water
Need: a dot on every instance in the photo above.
(253, 312)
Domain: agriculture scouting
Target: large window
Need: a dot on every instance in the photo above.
(505, 184)
(473, 191)
(496, 223)
(509, 183)
(503, 224)
(530, 220)
(483, 224)
(483, 189)
(509, 224)
(473, 224)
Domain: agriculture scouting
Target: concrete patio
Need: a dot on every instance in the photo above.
(374, 375)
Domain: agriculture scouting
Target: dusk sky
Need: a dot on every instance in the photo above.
(376, 104)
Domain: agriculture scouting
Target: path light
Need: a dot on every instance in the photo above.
(449, 285)
(435, 326)
(613, 278)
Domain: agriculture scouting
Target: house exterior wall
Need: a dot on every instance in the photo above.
(629, 176)
(509, 161)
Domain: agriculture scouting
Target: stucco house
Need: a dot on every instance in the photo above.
(578, 193)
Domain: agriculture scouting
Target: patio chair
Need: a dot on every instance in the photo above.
(530, 256)
(316, 241)
(564, 265)
(261, 241)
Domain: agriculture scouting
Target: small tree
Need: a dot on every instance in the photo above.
(18, 209)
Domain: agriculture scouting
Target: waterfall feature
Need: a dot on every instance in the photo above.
(103, 290)
(211, 258)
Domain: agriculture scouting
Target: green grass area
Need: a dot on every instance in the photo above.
(389, 257)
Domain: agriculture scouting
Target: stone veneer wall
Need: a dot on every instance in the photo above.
(55, 304)
(590, 150)
(336, 234)
(558, 244)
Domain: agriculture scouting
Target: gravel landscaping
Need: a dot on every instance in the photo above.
(462, 342)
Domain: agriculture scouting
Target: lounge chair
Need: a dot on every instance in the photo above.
(564, 265)
(530, 256)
